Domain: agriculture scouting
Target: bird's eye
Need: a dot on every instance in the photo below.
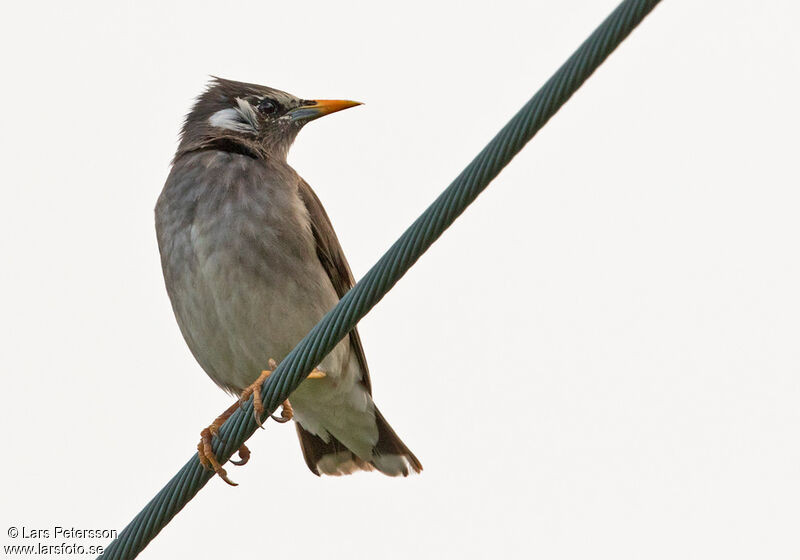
(267, 106)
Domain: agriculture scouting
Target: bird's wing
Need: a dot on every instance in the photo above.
(334, 262)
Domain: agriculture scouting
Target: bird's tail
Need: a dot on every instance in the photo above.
(390, 455)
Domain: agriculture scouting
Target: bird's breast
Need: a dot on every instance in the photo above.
(239, 262)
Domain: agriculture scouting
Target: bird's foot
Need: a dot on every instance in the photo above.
(204, 451)
(316, 374)
(287, 413)
(258, 407)
(206, 455)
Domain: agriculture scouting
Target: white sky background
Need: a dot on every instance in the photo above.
(599, 359)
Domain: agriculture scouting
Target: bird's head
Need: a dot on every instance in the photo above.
(251, 119)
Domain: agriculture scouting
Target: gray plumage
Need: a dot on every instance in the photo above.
(251, 263)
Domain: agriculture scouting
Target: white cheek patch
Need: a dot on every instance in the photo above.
(241, 119)
(247, 113)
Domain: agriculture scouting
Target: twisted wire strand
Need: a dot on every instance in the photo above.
(386, 272)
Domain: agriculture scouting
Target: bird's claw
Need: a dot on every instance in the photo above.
(206, 455)
(287, 413)
(244, 456)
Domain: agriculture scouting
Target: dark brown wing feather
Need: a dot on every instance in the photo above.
(314, 448)
(334, 262)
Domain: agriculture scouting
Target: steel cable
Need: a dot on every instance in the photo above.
(386, 272)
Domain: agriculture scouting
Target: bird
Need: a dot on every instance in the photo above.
(251, 263)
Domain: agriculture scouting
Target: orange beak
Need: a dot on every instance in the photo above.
(317, 108)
